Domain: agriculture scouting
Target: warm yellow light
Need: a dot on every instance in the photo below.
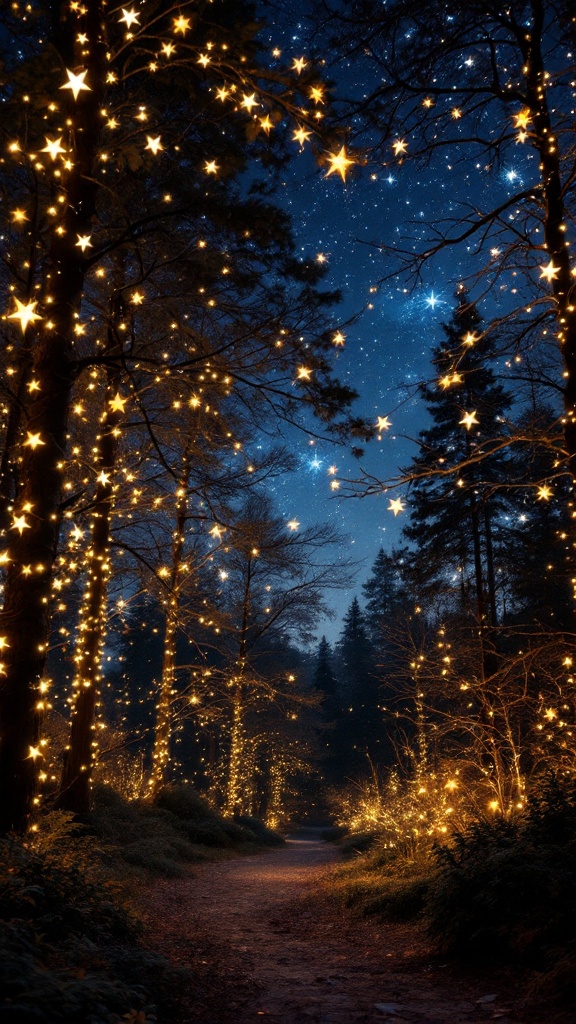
(469, 420)
(339, 163)
(396, 506)
(76, 83)
(24, 312)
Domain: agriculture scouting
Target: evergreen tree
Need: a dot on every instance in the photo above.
(360, 722)
(325, 682)
(455, 504)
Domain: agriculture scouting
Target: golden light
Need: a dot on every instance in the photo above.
(396, 506)
(154, 145)
(211, 167)
(383, 423)
(137, 298)
(266, 124)
(303, 373)
(293, 524)
(117, 403)
(544, 493)
(130, 17)
(399, 147)
(317, 94)
(33, 440)
(338, 338)
(249, 101)
(18, 216)
(76, 83)
(19, 523)
(523, 118)
(339, 164)
(84, 242)
(168, 49)
(53, 147)
(301, 135)
(298, 64)
(470, 338)
(181, 24)
(103, 478)
(222, 93)
(549, 272)
(24, 312)
(469, 420)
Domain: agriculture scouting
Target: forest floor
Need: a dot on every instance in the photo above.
(266, 942)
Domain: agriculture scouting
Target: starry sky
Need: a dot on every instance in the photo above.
(389, 344)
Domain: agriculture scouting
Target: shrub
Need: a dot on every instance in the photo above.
(508, 888)
(262, 834)
(184, 802)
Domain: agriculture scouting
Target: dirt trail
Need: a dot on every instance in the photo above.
(285, 955)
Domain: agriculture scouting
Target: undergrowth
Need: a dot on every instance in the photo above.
(71, 948)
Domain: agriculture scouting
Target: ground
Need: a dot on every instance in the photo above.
(266, 943)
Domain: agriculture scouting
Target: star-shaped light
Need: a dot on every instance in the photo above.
(399, 147)
(130, 17)
(266, 124)
(154, 145)
(103, 478)
(396, 506)
(216, 531)
(339, 164)
(222, 93)
(549, 272)
(469, 420)
(117, 403)
(168, 49)
(77, 533)
(20, 523)
(338, 338)
(211, 167)
(84, 242)
(76, 83)
(298, 64)
(53, 147)
(544, 493)
(470, 339)
(33, 440)
(19, 216)
(293, 524)
(301, 135)
(137, 298)
(24, 312)
(383, 423)
(317, 94)
(181, 24)
(303, 373)
(523, 118)
(249, 101)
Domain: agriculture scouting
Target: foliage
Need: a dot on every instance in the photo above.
(381, 881)
(507, 888)
(68, 950)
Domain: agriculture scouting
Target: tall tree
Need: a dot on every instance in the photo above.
(360, 723)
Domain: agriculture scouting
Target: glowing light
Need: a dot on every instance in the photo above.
(338, 338)
(298, 64)
(181, 24)
(301, 135)
(117, 403)
(33, 440)
(211, 167)
(130, 17)
(20, 523)
(154, 145)
(339, 164)
(76, 83)
(469, 420)
(383, 423)
(24, 312)
(544, 493)
(399, 147)
(549, 272)
(54, 147)
(293, 524)
(84, 242)
(396, 506)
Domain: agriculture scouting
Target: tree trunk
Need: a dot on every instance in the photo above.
(163, 730)
(24, 621)
(80, 754)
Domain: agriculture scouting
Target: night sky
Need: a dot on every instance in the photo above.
(388, 347)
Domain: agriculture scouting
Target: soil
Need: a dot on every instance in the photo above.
(266, 943)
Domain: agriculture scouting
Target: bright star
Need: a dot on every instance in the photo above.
(396, 506)
(339, 164)
(24, 313)
(76, 83)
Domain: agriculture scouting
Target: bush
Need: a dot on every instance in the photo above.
(184, 802)
(262, 834)
(508, 888)
(69, 952)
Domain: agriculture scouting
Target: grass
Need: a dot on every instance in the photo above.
(381, 883)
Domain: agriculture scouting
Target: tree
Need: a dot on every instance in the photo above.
(325, 682)
(360, 725)
(455, 503)
(93, 223)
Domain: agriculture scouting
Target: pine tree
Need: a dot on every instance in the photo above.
(360, 723)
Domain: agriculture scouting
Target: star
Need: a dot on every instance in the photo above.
(154, 145)
(293, 524)
(470, 338)
(53, 147)
(303, 373)
(130, 17)
(339, 164)
(399, 147)
(249, 101)
(216, 531)
(168, 49)
(117, 403)
(432, 301)
(338, 338)
(544, 493)
(266, 123)
(19, 523)
(523, 118)
(317, 94)
(84, 242)
(19, 216)
(550, 272)
(76, 83)
(137, 298)
(181, 24)
(383, 423)
(298, 64)
(77, 533)
(469, 420)
(222, 93)
(24, 313)
(396, 506)
(33, 440)
(301, 135)
(211, 167)
(103, 478)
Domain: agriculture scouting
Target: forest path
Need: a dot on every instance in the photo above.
(274, 950)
